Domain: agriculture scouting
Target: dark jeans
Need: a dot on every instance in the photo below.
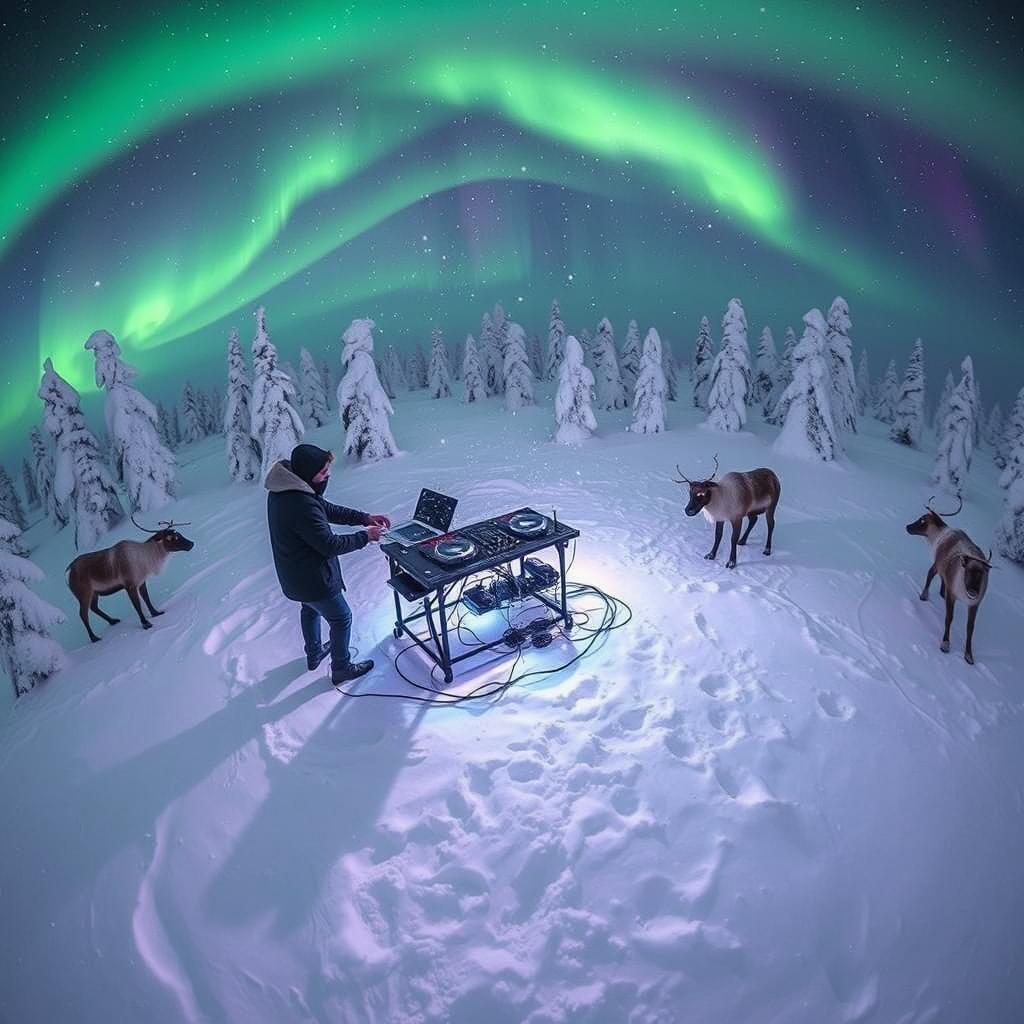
(336, 611)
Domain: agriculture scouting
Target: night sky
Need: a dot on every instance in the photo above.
(162, 174)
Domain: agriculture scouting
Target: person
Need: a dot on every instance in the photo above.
(306, 552)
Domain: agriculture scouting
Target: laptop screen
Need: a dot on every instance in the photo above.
(436, 510)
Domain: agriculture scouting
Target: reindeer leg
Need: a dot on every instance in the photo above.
(770, 519)
(928, 583)
(751, 519)
(950, 601)
(736, 523)
(133, 593)
(713, 553)
(972, 614)
(95, 606)
(83, 613)
(942, 588)
(144, 591)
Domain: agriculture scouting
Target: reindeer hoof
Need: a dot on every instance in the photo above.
(94, 639)
(710, 556)
(147, 625)
(731, 564)
(155, 612)
(767, 552)
(968, 657)
(923, 596)
(741, 543)
(944, 647)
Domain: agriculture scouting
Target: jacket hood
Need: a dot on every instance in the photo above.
(281, 478)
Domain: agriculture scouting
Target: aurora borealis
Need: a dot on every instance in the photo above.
(162, 171)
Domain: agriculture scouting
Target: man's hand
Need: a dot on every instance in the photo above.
(382, 521)
(374, 533)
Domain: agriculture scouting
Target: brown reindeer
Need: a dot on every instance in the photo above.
(730, 499)
(124, 566)
(961, 566)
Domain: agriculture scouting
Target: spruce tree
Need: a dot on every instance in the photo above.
(81, 482)
(327, 381)
(734, 334)
(517, 373)
(42, 459)
(28, 480)
(1010, 528)
(863, 383)
(141, 461)
(363, 407)
(908, 419)
(767, 370)
(939, 418)
(956, 442)
(313, 394)
(574, 417)
(536, 357)
(396, 373)
(556, 343)
(1013, 433)
(10, 502)
(650, 389)
(472, 375)
(700, 368)
(491, 364)
(888, 395)
(671, 370)
(727, 407)
(839, 351)
(243, 450)
(28, 651)
(384, 377)
(192, 428)
(809, 431)
(439, 376)
(629, 360)
(994, 428)
(275, 422)
(611, 392)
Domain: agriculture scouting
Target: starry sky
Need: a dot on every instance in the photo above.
(164, 168)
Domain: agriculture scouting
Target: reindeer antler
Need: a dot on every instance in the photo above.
(685, 479)
(715, 470)
(144, 529)
(171, 525)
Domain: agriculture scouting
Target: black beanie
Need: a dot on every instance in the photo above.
(307, 460)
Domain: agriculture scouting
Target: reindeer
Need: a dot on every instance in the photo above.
(730, 499)
(961, 566)
(125, 566)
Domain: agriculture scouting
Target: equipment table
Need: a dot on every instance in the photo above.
(417, 578)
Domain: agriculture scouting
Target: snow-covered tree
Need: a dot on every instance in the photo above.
(650, 389)
(501, 325)
(28, 481)
(700, 368)
(416, 368)
(1010, 528)
(396, 373)
(275, 422)
(217, 411)
(574, 417)
(556, 344)
(994, 429)
(734, 334)
(472, 374)
(888, 395)
(839, 352)
(518, 376)
(455, 354)
(585, 338)
(1013, 433)
(145, 466)
(164, 427)
(629, 360)
(10, 501)
(809, 431)
(956, 441)
(491, 364)
(611, 392)
(29, 653)
(767, 370)
(671, 369)
(362, 404)
(176, 431)
(908, 419)
(314, 398)
(328, 382)
(863, 383)
(192, 427)
(727, 399)
(81, 482)
(244, 456)
(438, 377)
(205, 410)
(384, 377)
(533, 350)
(42, 466)
(939, 417)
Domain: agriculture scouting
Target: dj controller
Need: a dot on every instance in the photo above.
(503, 535)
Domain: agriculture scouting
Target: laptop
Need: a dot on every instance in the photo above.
(432, 518)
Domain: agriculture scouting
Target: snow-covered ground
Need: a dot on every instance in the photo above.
(768, 798)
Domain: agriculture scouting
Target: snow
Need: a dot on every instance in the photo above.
(768, 798)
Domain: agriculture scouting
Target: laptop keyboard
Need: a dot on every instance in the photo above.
(413, 532)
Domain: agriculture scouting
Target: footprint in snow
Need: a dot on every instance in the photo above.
(835, 706)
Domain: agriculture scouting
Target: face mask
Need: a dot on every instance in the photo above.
(319, 487)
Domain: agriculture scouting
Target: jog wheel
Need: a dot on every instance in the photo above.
(451, 552)
(528, 524)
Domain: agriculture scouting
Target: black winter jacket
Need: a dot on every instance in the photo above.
(304, 545)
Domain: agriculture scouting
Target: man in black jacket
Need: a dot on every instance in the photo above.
(306, 553)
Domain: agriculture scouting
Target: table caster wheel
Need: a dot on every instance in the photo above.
(396, 633)
(568, 624)
(448, 677)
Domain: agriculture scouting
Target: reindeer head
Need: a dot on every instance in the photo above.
(975, 574)
(931, 520)
(701, 491)
(167, 536)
